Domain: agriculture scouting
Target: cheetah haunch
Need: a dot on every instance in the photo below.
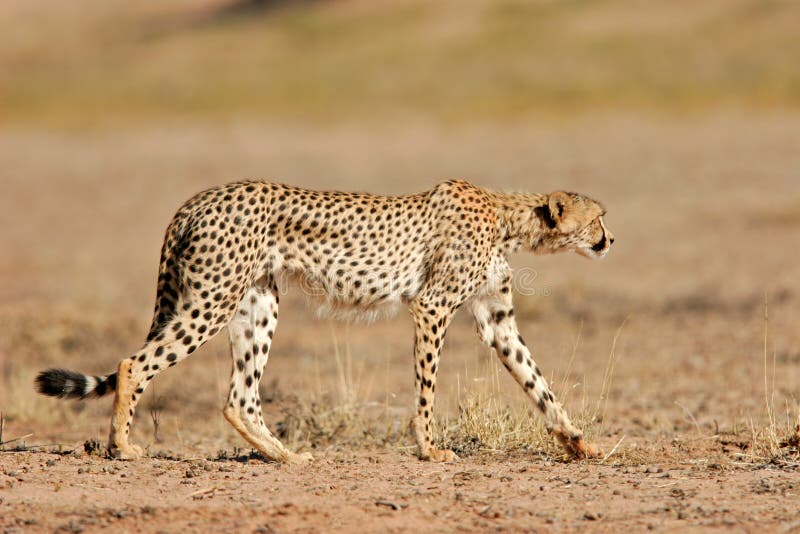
(434, 251)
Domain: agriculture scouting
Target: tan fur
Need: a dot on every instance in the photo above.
(228, 249)
(118, 445)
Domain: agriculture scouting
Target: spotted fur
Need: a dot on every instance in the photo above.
(227, 248)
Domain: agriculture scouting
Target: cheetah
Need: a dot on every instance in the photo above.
(227, 247)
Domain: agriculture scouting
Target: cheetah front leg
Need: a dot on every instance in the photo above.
(497, 327)
(430, 322)
(251, 331)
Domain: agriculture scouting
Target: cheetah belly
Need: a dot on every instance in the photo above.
(350, 296)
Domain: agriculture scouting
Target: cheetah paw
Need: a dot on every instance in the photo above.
(128, 452)
(577, 448)
(440, 455)
(299, 459)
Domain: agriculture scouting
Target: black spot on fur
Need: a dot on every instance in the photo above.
(543, 212)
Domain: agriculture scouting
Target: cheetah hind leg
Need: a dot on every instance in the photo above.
(133, 376)
(251, 331)
(118, 445)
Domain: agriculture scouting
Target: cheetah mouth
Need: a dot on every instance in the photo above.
(600, 245)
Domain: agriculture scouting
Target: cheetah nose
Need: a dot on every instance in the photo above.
(611, 240)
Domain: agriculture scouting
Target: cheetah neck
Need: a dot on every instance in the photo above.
(521, 219)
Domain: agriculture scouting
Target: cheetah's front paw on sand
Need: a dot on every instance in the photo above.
(128, 452)
(299, 459)
(577, 448)
(439, 455)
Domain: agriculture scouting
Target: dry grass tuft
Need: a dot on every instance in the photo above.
(773, 441)
(485, 425)
(340, 417)
(322, 423)
(793, 440)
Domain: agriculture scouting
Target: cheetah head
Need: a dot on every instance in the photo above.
(575, 223)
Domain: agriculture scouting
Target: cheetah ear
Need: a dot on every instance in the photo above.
(559, 205)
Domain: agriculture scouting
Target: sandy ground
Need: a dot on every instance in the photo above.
(390, 492)
(706, 212)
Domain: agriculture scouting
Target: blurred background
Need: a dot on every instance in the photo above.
(681, 116)
(90, 63)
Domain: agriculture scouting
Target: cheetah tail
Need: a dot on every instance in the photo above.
(65, 384)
